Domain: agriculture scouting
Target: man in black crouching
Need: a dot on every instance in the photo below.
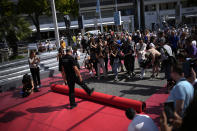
(73, 76)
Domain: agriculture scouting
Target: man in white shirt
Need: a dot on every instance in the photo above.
(141, 51)
(140, 122)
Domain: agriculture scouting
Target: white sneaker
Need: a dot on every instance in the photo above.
(141, 77)
(116, 78)
(91, 73)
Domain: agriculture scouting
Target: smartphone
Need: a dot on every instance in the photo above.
(169, 110)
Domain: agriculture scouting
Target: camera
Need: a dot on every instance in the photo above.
(188, 65)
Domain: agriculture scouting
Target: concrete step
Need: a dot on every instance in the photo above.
(26, 70)
(19, 68)
(16, 70)
(25, 61)
(19, 76)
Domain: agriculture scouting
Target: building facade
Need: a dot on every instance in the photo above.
(156, 11)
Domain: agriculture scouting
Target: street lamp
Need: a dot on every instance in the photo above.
(55, 24)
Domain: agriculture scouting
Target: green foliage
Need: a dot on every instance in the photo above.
(36, 8)
(16, 57)
(13, 28)
(67, 7)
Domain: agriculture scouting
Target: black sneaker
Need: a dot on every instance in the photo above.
(73, 106)
(91, 91)
(36, 90)
(133, 74)
(152, 76)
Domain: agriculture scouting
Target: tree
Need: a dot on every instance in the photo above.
(67, 7)
(36, 8)
(13, 28)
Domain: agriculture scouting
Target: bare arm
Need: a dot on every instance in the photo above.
(38, 59)
(114, 54)
(32, 61)
(77, 72)
(179, 106)
(63, 73)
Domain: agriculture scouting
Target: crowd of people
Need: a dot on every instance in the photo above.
(172, 51)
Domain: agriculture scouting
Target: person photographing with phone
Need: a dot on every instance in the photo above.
(182, 93)
(72, 75)
(34, 61)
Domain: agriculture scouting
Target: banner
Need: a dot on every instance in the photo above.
(117, 18)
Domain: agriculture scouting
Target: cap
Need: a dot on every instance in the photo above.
(152, 45)
(68, 49)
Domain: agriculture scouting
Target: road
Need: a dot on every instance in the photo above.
(134, 88)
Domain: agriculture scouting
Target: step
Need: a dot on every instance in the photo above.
(25, 61)
(26, 66)
(7, 80)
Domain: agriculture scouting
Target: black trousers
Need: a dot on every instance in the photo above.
(71, 85)
(95, 66)
(132, 63)
(129, 62)
(106, 63)
(35, 72)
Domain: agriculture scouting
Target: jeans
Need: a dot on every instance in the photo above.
(142, 69)
(100, 65)
(115, 66)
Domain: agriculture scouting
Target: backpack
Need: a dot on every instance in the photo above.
(26, 79)
(27, 85)
(171, 59)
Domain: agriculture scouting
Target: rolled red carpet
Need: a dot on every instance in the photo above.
(116, 101)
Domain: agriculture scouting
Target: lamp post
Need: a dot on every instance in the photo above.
(55, 24)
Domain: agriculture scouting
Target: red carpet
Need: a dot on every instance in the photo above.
(46, 111)
(154, 105)
(119, 102)
(49, 112)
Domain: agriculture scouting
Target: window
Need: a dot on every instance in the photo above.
(172, 5)
(163, 6)
(150, 7)
(126, 12)
(186, 4)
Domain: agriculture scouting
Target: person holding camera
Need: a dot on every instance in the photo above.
(34, 61)
(182, 93)
(141, 51)
(115, 61)
(129, 57)
(28, 85)
(100, 58)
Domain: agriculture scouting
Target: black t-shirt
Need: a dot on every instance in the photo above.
(68, 63)
(127, 49)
